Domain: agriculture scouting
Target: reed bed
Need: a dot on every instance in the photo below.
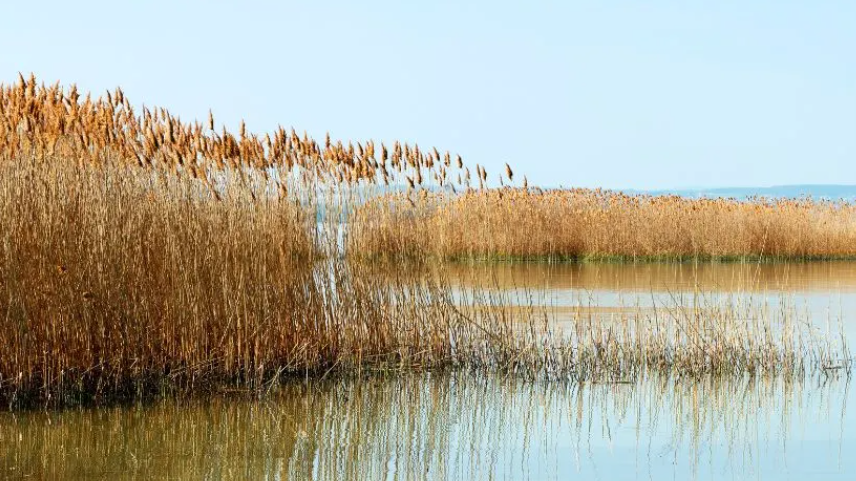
(115, 285)
(581, 224)
(142, 256)
(119, 286)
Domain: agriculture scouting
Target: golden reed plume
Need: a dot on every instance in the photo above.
(45, 121)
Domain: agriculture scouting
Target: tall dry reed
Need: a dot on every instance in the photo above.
(599, 225)
(117, 283)
(38, 121)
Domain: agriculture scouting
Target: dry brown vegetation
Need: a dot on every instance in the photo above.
(600, 225)
(114, 284)
(143, 255)
(48, 121)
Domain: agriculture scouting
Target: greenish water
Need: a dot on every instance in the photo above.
(469, 426)
(455, 427)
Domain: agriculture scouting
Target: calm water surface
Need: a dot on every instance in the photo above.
(467, 426)
(822, 293)
(455, 427)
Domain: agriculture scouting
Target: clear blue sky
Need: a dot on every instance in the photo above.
(615, 94)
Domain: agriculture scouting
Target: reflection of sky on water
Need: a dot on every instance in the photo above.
(821, 292)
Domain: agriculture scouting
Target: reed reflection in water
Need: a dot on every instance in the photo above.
(456, 426)
(820, 293)
(823, 277)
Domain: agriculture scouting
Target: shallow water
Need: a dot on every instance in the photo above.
(441, 426)
(822, 293)
(468, 426)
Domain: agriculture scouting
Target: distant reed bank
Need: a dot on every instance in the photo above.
(596, 225)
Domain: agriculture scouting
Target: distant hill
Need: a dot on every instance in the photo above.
(816, 191)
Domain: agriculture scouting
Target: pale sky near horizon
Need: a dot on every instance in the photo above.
(645, 95)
